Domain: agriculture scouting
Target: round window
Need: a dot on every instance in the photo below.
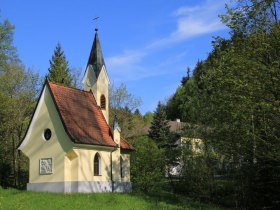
(47, 134)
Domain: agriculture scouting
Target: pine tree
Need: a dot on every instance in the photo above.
(159, 130)
(59, 71)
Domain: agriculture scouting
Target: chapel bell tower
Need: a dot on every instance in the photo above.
(96, 78)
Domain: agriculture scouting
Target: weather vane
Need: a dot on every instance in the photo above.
(96, 22)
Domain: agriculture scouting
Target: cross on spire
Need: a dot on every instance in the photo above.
(96, 23)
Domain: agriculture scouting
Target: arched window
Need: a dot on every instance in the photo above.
(97, 165)
(122, 168)
(103, 102)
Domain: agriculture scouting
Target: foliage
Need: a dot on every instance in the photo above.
(185, 103)
(197, 175)
(242, 96)
(234, 96)
(76, 74)
(246, 17)
(147, 165)
(120, 98)
(148, 117)
(59, 71)
(7, 50)
(159, 130)
(18, 91)
(124, 105)
(175, 105)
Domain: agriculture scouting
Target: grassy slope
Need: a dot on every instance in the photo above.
(15, 199)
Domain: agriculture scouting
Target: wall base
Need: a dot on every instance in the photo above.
(83, 187)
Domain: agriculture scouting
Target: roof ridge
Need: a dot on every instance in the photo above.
(63, 85)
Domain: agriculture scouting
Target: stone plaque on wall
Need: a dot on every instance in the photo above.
(46, 166)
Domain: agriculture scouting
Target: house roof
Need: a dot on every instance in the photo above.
(96, 57)
(174, 126)
(82, 118)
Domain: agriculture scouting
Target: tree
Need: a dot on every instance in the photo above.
(120, 98)
(185, 102)
(185, 79)
(7, 50)
(124, 105)
(252, 16)
(234, 96)
(174, 106)
(240, 98)
(18, 90)
(148, 118)
(147, 167)
(59, 71)
(159, 130)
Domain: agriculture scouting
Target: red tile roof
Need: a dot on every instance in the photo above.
(125, 145)
(82, 118)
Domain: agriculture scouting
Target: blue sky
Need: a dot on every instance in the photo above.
(147, 45)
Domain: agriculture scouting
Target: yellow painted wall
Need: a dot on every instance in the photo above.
(71, 162)
(126, 167)
(89, 79)
(81, 166)
(85, 170)
(103, 88)
(37, 147)
(68, 164)
(98, 86)
(193, 142)
(116, 165)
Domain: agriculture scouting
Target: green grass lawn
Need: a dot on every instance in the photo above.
(16, 199)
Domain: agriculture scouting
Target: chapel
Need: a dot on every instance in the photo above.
(69, 142)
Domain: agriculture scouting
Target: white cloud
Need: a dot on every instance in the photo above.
(190, 22)
(194, 21)
(185, 10)
(126, 57)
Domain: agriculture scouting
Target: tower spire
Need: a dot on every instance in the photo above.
(96, 78)
(96, 59)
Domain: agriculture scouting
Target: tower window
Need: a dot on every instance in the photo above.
(103, 102)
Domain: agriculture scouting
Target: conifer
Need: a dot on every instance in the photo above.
(59, 71)
(159, 130)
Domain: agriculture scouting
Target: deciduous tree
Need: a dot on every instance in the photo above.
(18, 91)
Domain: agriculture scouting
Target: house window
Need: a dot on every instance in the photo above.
(189, 146)
(122, 167)
(103, 102)
(97, 165)
(197, 147)
(45, 166)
